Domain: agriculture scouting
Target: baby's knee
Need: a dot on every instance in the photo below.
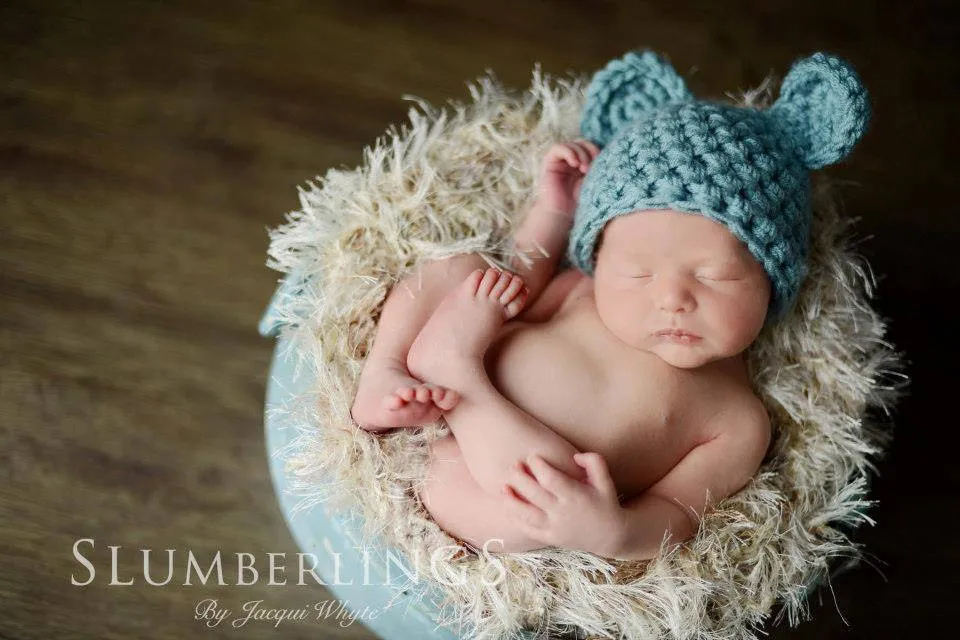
(431, 280)
(460, 266)
(462, 508)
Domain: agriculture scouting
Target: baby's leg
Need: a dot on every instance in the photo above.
(492, 432)
(463, 509)
(387, 395)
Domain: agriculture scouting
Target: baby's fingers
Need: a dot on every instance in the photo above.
(565, 153)
(597, 472)
(523, 511)
(528, 488)
(550, 478)
(591, 148)
(583, 156)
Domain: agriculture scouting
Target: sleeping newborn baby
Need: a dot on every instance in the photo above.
(606, 407)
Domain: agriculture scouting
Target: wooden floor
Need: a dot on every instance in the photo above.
(145, 147)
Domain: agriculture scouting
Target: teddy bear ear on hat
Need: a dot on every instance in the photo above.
(824, 107)
(627, 87)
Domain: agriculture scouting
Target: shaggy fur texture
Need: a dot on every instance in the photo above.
(459, 180)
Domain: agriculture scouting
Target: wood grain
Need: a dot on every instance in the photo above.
(146, 146)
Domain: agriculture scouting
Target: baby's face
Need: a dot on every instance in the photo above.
(663, 271)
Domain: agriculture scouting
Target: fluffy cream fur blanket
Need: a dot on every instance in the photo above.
(459, 179)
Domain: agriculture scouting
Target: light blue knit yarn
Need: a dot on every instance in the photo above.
(746, 168)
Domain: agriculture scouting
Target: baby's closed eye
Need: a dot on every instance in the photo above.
(719, 276)
(720, 272)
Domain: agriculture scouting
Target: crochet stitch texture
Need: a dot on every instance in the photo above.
(745, 168)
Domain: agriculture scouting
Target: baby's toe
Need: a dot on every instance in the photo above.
(393, 401)
(446, 399)
(514, 307)
(501, 285)
(514, 287)
(474, 279)
(437, 394)
(490, 278)
(423, 394)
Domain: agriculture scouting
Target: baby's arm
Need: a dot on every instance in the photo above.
(710, 472)
(545, 230)
(541, 239)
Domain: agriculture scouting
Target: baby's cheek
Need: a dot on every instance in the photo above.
(743, 321)
(635, 310)
(623, 313)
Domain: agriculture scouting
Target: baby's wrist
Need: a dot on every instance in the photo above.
(556, 211)
(615, 542)
(620, 534)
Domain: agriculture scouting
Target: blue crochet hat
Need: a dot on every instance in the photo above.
(745, 168)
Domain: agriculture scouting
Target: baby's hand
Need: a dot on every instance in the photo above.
(550, 506)
(562, 174)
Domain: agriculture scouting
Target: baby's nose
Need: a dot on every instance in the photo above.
(674, 296)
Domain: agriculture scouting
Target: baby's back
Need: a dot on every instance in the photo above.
(642, 414)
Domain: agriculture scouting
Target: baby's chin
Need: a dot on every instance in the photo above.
(686, 356)
(682, 357)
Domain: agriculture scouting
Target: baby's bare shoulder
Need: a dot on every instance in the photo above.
(744, 419)
(579, 285)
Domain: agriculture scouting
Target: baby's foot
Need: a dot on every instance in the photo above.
(389, 397)
(464, 324)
